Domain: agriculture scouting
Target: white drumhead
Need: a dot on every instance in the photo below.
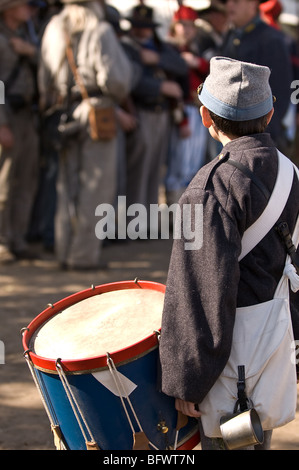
(103, 323)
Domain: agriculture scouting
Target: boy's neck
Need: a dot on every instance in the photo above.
(224, 138)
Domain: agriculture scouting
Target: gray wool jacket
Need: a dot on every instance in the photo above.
(205, 285)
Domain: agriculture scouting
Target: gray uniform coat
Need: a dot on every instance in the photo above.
(205, 286)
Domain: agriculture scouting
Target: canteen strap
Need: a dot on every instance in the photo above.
(242, 397)
(90, 443)
(243, 403)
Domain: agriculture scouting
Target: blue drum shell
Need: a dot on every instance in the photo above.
(105, 415)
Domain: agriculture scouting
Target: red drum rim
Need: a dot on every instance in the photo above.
(92, 363)
(191, 441)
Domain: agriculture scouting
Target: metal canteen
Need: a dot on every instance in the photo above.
(241, 429)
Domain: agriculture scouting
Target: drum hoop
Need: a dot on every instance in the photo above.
(88, 360)
(189, 441)
(96, 363)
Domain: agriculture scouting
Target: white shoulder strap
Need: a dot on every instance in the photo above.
(256, 232)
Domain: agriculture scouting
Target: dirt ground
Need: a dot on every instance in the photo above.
(26, 289)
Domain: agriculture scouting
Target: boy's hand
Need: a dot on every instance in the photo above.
(6, 137)
(187, 408)
(171, 89)
(22, 47)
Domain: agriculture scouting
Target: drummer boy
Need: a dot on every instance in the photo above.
(205, 286)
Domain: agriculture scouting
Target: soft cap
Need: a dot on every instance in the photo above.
(235, 90)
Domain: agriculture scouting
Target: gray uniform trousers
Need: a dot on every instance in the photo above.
(18, 181)
(146, 153)
(87, 178)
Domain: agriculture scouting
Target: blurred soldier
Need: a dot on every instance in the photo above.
(188, 143)
(212, 24)
(18, 137)
(250, 39)
(157, 92)
(87, 167)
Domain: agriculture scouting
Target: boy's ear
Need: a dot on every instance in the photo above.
(205, 117)
(270, 114)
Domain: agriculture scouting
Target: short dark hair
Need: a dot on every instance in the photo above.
(240, 128)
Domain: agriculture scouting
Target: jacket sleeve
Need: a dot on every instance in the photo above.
(53, 71)
(171, 61)
(200, 301)
(113, 68)
(148, 84)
